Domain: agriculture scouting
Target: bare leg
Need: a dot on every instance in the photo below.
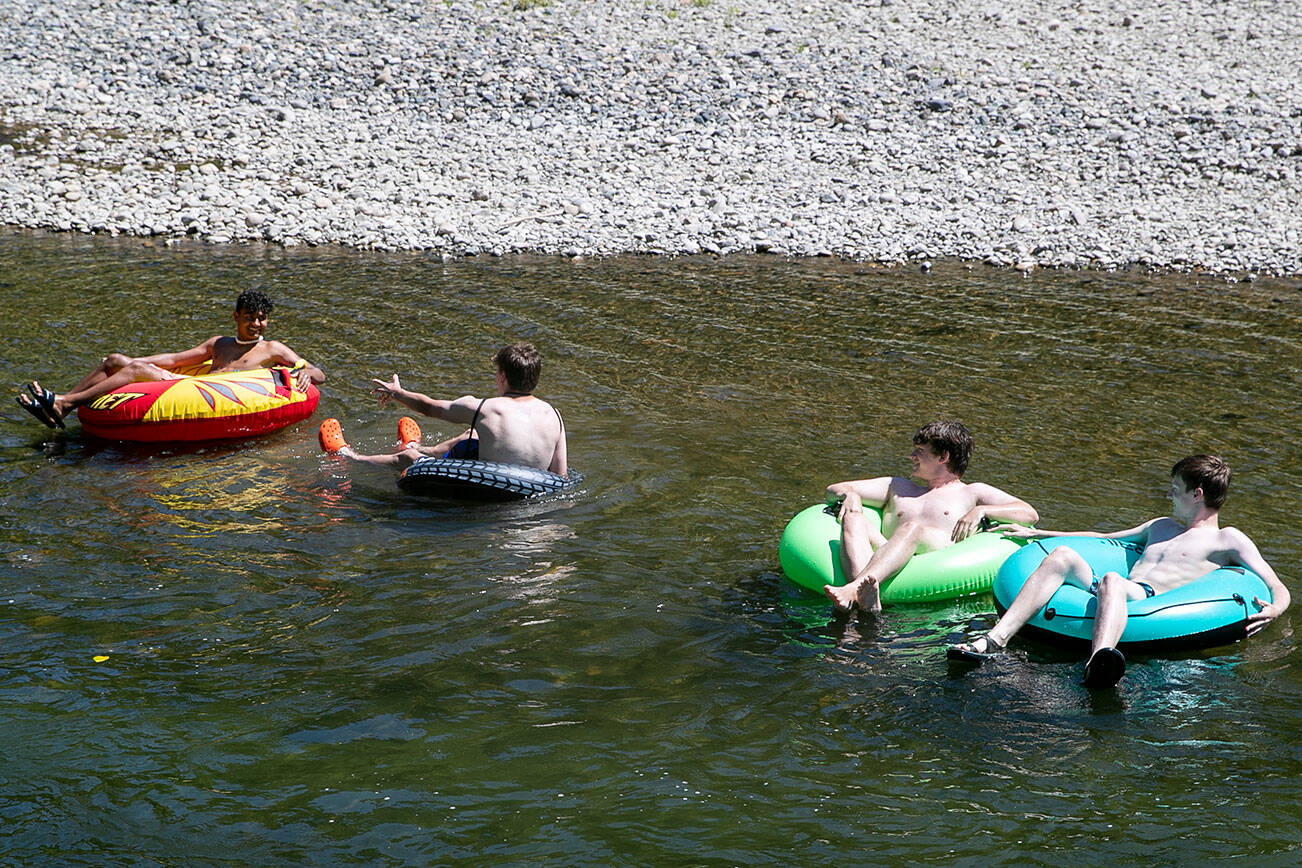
(110, 365)
(398, 460)
(859, 539)
(134, 372)
(1110, 616)
(864, 588)
(856, 551)
(446, 446)
(1060, 566)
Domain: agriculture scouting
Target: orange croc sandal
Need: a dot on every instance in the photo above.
(331, 435)
(408, 432)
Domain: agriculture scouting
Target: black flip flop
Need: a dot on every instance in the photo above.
(45, 398)
(35, 409)
(1104, 668)
(995, 649)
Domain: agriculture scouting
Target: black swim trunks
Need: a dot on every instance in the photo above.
(468, 448)
(1148, 589)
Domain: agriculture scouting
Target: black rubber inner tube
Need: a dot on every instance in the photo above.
(465, 479)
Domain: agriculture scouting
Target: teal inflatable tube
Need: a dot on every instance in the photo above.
(810, 554)
(1209, 611)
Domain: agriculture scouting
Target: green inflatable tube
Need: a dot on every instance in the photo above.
(810, 554)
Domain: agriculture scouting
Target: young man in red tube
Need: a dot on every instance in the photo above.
(246, 350)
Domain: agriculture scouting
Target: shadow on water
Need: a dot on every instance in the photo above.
(256, 653)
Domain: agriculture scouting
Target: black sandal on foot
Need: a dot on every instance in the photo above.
(1104, 668)
(968, 650)
(36, 410)
(44, 398)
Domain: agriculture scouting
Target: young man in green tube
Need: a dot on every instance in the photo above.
(1177, 550)
(929, 514)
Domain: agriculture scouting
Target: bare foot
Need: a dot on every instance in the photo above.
(870, 594)
(862, 593)
(843, 598)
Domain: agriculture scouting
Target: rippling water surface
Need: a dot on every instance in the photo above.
(305, 667)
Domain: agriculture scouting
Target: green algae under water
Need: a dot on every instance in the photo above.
(305, 667)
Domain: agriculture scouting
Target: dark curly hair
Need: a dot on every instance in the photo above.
(253, 301)
(951, 437)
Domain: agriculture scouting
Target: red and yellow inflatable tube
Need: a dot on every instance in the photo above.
(206, 407)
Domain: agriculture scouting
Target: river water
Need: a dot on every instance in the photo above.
(250, 654)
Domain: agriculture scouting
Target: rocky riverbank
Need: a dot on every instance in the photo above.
(1070, 134)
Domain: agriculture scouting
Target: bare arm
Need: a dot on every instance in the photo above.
(283, 355)
(873, 492)
(1244, 552)
(192, 356)
(853, 494)
(993, 504)
(560, 457)
(1137, 534)
(461, 410)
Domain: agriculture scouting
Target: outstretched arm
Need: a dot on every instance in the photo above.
(1137, 534)
(461, 410)
(1244, 552)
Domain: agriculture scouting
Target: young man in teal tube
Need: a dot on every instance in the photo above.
(1177, 550)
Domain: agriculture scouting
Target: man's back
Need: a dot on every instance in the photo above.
(522, 430)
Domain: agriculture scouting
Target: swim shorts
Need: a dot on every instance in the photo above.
(468, 448)
(1148, 589)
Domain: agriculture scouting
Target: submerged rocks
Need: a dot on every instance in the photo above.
(1023, 135)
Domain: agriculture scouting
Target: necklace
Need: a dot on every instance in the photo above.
(516, 394)
(247, 343)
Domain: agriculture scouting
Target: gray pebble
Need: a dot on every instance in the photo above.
(636, 131)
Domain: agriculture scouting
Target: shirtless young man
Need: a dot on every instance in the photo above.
(1177, 550)
(933, 513)
(515, 427)
(247, 350)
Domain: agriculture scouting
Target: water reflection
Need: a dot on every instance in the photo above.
(204, 500)
(332, 493)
